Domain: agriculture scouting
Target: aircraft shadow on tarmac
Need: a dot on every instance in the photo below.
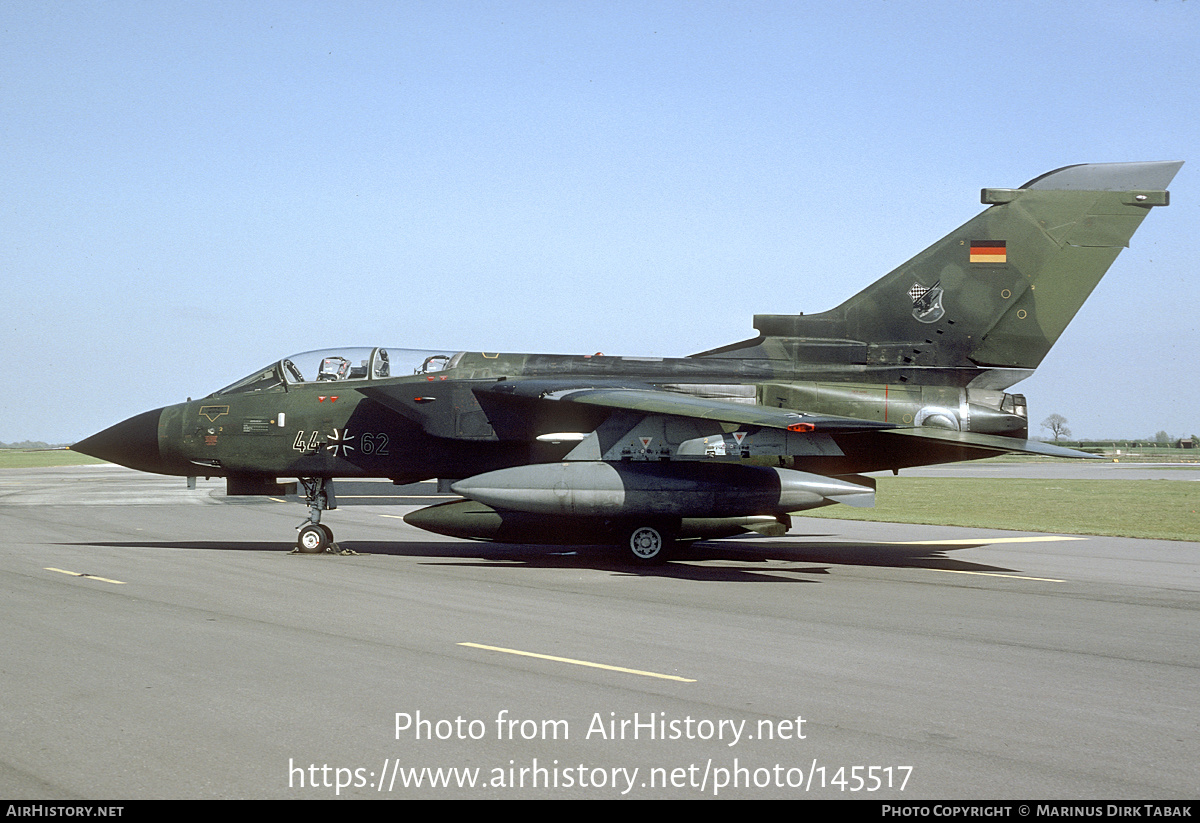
(745, 559)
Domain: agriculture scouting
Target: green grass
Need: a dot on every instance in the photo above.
(1154, 509)
(19, 459)
(1183, 457)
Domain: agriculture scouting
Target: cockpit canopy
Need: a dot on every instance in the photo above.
(337, 365)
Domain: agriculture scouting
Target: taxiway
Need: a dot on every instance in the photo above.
(162, 642)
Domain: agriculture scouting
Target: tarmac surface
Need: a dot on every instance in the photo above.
(161, 642)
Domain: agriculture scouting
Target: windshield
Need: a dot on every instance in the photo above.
(345, 364)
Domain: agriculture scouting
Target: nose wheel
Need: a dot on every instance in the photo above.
(315, 537)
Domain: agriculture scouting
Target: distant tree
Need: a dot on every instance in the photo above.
(1162, 438)
(1057, 424)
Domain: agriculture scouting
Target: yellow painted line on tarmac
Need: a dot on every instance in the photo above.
(578, 662)
(88, 576)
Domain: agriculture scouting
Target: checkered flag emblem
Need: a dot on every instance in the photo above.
(917, 291)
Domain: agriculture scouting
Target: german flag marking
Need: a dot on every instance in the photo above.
(989, 251)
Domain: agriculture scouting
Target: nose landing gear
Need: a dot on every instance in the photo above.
(315, 537)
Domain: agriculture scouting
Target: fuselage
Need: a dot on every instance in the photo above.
(411, 415)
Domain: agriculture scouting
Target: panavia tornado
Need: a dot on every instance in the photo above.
(648, 452)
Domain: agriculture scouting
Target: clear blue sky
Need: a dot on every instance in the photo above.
(192, 190)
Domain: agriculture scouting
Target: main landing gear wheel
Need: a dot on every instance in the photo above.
(649, 545)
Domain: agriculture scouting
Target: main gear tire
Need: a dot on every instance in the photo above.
(649, 545)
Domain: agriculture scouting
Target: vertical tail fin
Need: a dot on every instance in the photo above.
(998, 291)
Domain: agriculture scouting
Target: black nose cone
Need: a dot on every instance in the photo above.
(133, 443)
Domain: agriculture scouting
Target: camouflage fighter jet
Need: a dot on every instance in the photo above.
(645, 452)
